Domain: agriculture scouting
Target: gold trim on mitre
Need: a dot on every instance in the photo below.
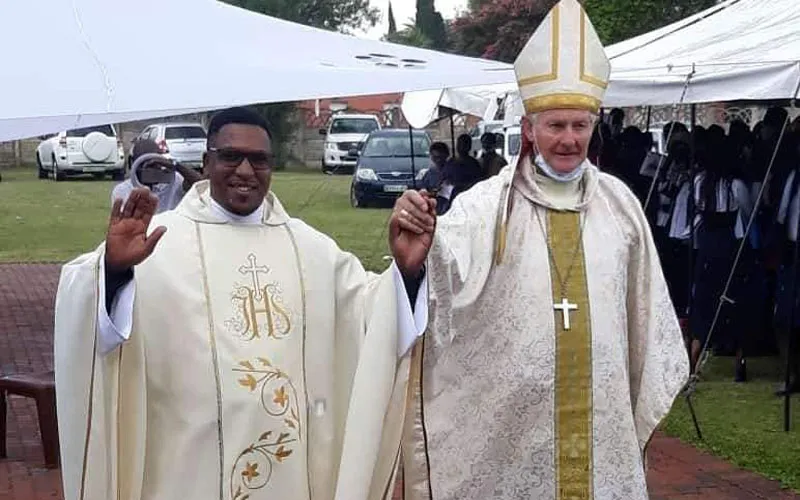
(562, 101)
(573, 73)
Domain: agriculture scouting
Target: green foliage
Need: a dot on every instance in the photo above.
(499, 29)
(334, 15)
(430, 23)
(618, 20)
(392, 22)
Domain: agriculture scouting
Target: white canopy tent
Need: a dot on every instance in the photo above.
(737, 50)
(77, 63)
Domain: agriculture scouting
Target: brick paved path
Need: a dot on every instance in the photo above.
(677, 471)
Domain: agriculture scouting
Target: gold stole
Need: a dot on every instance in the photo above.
(573, 376)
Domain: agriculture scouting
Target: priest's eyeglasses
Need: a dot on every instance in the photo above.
(232, 158)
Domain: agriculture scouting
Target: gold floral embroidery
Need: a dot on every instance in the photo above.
(253, 467)
(259, 308)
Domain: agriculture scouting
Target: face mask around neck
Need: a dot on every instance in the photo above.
(547, 170)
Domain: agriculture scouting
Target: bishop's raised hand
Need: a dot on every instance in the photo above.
(127, 242)
(411, 228)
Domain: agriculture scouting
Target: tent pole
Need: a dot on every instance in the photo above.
(649, 113)
(413, 165)
(787, 394)
(452, 133)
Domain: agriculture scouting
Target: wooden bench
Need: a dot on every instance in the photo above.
(41, 387)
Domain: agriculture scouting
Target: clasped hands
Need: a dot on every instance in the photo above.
(411, 228)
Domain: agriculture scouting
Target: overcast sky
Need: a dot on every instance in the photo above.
(404, 12)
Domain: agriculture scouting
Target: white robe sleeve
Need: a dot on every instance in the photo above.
(114, 326)
(410, 324)
(657, 358)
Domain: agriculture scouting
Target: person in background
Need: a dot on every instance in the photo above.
(491, 162)
(463, 170)
(166, 179)
(434, 180)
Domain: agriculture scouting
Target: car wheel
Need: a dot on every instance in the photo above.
(57, 176)
(42, 171)
(354, 201)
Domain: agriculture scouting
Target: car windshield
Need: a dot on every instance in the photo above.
(353, 126)
(83, 132)
(184, 133)
(396, 146)
(514, 144)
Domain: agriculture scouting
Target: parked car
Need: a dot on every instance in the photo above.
(182, 142)
(90, 150)
(386, 166)
(345, 133)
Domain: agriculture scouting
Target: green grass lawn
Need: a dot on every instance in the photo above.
(49, 221)
(43, 220)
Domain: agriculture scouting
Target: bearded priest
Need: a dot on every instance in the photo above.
(553, 350)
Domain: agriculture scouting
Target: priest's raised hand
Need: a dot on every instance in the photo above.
(127, 241)
(411, 228)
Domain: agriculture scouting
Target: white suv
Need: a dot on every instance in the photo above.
(90, 150)
(344, 138)
(182, 142)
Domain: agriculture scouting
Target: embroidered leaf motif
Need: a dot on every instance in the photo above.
(250, 471)
(247, 365)
(290, 423)
(294, 415)
(283, 436)
(249, 381)
(282, 453)
(280, 397)
(265, 436)
(264, 361)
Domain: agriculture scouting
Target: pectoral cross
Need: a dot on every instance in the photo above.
(565, 307)
(254, 270)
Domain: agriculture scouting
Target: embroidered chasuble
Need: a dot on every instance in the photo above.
(262, 364)
(537, 378)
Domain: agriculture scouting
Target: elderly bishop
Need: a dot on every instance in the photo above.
(553, 350)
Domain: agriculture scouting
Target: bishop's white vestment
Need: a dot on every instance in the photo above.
(262, 362)
(523, 388)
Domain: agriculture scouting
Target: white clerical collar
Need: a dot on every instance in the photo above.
(255, 217)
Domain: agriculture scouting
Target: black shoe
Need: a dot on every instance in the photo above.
(794, 388)
(741, 372)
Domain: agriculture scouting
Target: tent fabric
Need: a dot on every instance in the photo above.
(91, 62)
(737, 50)
(421, 108)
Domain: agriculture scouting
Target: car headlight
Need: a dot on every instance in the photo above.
(330, 146)
(421, 174)
(366, 174)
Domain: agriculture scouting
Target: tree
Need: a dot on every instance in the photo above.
(334, 15)
(392, 22)
(430, 23)
(618, 20)
(499, 29)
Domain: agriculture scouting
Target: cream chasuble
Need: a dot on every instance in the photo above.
(274, 373)
(522, 388)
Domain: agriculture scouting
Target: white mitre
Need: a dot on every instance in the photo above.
(563, 65)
